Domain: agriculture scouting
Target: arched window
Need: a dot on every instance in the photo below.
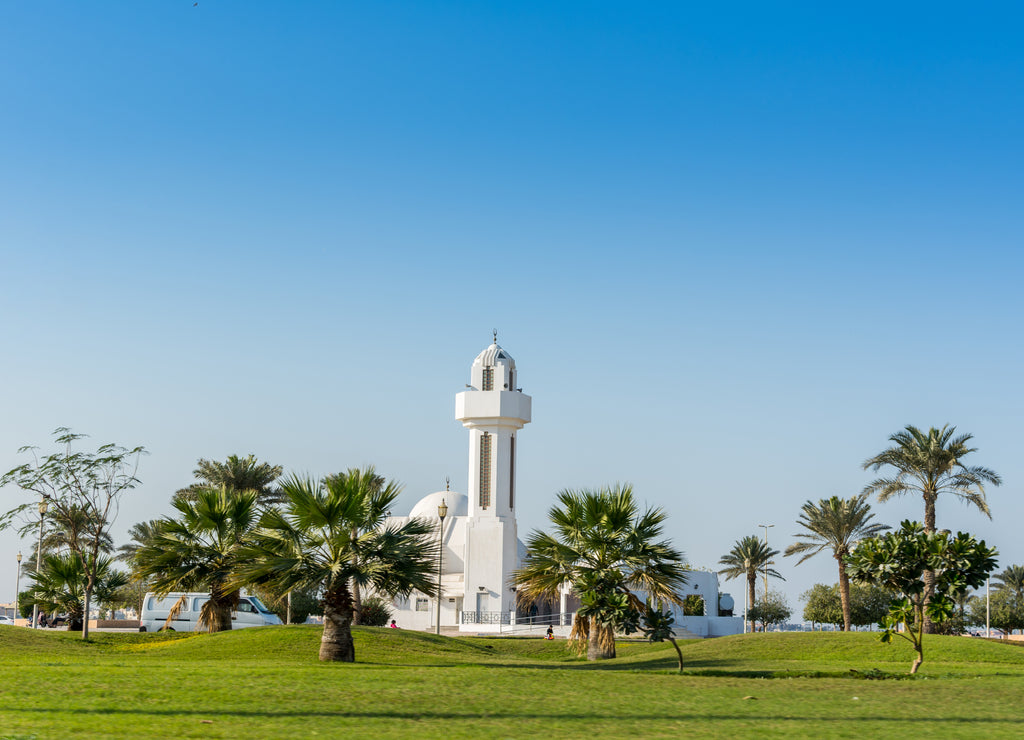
(488, 379)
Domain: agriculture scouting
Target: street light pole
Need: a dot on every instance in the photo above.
(988, 610)
(17, 589)
(39, 560)
(766, 527)
(442, 512)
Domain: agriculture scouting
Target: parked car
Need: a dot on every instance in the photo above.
(6, 620)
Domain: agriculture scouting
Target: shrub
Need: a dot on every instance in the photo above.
(376, 612)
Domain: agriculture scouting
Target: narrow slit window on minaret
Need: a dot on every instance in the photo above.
(485, 470)
(512, 473)
(488, 379)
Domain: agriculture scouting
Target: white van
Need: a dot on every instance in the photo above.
(251, 612)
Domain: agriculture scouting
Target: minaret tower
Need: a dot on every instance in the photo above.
(493, 410)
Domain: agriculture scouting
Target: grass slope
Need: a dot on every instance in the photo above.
(269, 683)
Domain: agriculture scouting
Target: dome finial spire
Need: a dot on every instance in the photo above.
(447, 482)
(495, 335)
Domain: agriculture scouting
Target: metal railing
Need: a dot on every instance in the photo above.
(486, 617)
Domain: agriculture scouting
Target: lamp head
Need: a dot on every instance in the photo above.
(442, 510)
(43, 506)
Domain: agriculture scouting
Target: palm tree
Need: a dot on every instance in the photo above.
(609, 553)
(238, 474)
(60, 586)
(749, 557)
(139, 535)
(378, 495)
(1011, 579)
(200, 550)
(838, 524)
(308, 544)
(931, 464)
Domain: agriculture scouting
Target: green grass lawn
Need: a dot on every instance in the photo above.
(268, 683)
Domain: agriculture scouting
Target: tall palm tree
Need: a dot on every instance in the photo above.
(837, 524)
(1011, 579)
(60, 585)
(749, 557)
(378, 494)
(238, 474)
(931, 463)
(608, 551)
(139, 535)
(308, 544)
(200, 550)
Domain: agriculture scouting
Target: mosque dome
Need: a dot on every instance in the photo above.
(426, 507)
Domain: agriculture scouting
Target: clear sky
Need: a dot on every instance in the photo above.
(732, 248)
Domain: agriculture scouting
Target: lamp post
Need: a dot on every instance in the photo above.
(766, 527)
(39, 560)
(442, 512)
(746, 595)
(988, 607)
(17, 589)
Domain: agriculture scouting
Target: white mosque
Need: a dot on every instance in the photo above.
(481, 548)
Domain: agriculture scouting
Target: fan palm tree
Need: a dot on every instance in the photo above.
(608, 551)
(309, 544)
(60, 585)
(837, 524)
(749, 557)
(378, 495)
(1011, 579)
(931, 463)
(200, 550)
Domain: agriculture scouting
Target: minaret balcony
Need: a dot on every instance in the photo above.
(500, 408)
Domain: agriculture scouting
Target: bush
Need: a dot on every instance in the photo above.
(376, 612)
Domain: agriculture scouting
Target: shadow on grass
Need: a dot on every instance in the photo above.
(581, 716)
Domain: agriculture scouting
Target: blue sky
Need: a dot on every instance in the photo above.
(732, 249)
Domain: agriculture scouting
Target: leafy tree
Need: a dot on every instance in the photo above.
(836, 524)
(609, 552)
(59, 586)
(693, 606)
(749, 557)
(868, 604)
(823, 605)
(308, 544)
(899, 561)
(770, 610)
(1005, 610)
(237, 474)
(930, 464)
(376, 612)
(82, 489)
(200, 550)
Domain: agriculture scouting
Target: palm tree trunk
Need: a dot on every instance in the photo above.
(600, 642)
(85, 612)
(929, 575)
(336, 643)
(357, 604)
(751, 586)
(844, 592)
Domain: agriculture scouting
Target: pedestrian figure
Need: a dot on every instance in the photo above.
(550, 634)
(393, 625)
